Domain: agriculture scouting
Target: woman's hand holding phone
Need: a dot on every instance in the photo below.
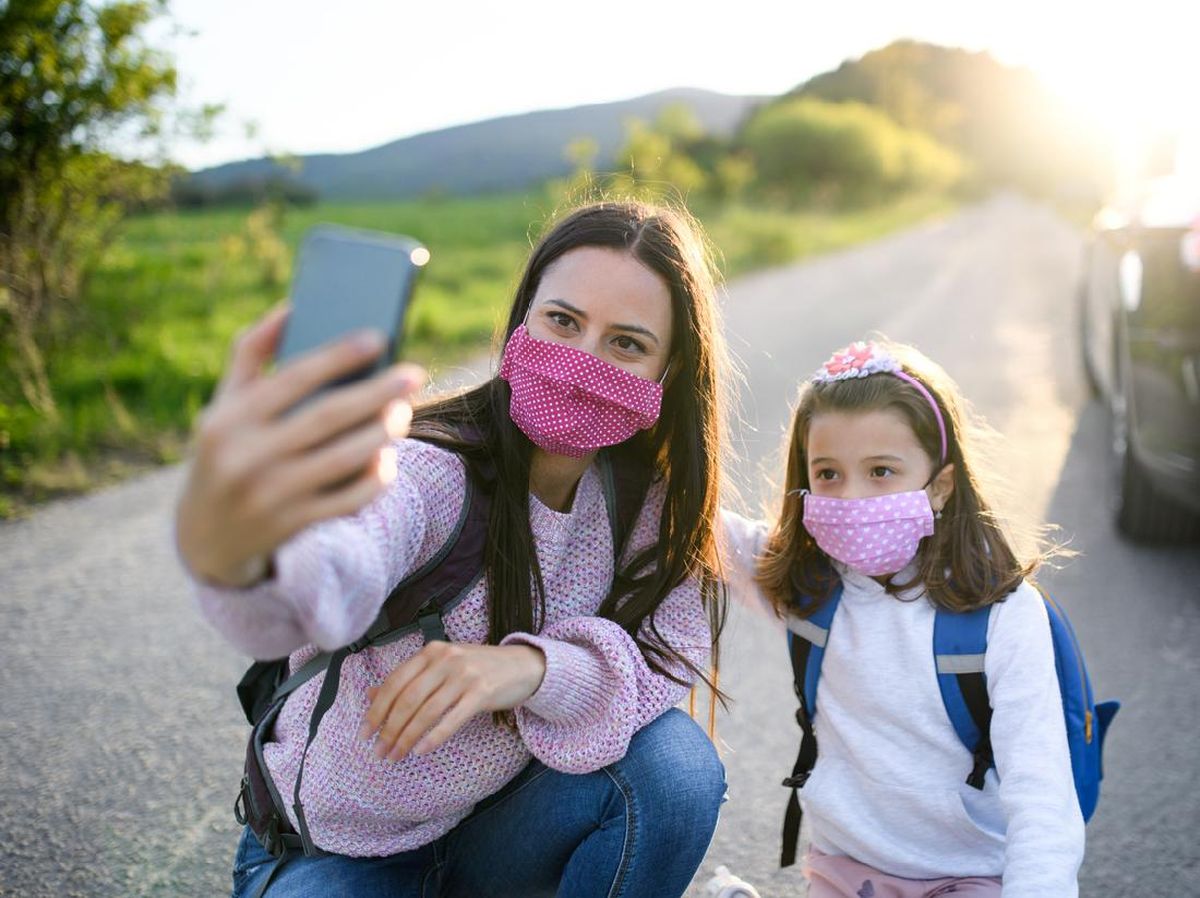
(257, 476)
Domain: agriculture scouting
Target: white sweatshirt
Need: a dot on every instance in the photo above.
(889, 784)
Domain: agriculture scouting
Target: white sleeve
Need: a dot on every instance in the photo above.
(740, 541)
(1045, 834)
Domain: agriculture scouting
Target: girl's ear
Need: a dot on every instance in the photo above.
(942, 487)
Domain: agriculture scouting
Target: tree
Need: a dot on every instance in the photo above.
(76, 78)
(654, 161)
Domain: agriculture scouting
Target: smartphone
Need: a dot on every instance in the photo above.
(346, 280)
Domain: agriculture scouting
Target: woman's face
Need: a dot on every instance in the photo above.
(604, 301)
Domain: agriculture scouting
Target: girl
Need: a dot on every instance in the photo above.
(882, 499)
(411, 788)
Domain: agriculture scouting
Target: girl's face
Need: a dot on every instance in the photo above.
(855, 455)
(605, 302)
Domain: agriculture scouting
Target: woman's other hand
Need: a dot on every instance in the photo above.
(428, 698)
(257, 477)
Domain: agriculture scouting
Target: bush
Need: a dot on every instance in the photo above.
(809, 150)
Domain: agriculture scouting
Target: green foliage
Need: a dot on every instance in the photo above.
(654, 163)
(73, 76)
(807, 150)
(1011, 130)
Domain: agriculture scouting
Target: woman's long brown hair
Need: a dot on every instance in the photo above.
(967, 563)
(684, 447)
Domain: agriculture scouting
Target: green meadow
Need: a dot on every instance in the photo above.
(148, 342)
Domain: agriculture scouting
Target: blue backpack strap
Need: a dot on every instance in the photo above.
(959, 650)
(1086, 721)
(807, 638)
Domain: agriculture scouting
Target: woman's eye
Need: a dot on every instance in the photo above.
(628, 344)
(561, 319)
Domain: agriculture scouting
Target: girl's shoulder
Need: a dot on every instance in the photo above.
(741, 541)
(1019, 616)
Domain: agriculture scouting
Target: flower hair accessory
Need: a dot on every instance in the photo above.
(862, 359)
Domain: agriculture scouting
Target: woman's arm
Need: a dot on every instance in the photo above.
(330, 580)
(598, 690)
(1045, 835)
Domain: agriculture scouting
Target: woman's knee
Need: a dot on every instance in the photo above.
(672, 763)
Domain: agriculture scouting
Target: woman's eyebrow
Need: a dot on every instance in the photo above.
(566, 305)
(637, 329)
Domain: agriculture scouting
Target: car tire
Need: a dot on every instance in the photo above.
(1144, 515)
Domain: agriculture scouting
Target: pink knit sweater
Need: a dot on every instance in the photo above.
(329, 584)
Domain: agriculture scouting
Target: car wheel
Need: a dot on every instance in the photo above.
(1143, 514)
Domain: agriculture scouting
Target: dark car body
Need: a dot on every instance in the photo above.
(1140, 314)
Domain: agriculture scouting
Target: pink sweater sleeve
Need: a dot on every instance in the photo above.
(331, 579)
(598, 690)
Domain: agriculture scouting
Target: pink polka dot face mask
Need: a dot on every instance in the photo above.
(877, 535)
(569, 402)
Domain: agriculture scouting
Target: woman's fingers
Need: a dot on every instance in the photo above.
(404, 707)
(344, 500)
(298, 477)
(451, 723)
(384, 695)
(440, 702)
(345, 407)
(252, 349)
(270, 396)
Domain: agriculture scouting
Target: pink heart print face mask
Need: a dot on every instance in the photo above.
(877, 535)
(569, 402)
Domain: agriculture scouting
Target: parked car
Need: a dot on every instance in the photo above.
(1140, 321)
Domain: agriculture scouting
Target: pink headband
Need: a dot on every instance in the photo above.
(864, 359)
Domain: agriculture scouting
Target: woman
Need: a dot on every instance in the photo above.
(595, 786)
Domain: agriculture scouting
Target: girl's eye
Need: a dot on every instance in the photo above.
(881, 471)
(826, 474)
(628, 344)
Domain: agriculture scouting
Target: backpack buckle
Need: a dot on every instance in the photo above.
(798, 780)
(241, 802)
(272, 843)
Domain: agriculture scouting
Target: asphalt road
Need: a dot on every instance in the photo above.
(121, 741)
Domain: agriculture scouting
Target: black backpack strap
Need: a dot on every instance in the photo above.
(426, 594)
(960, 650)
(807, 637)
(625, 483)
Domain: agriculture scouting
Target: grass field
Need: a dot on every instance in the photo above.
(151, 336)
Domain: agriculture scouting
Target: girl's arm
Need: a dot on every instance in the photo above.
(1045, 836)
(741, 541)
(330, 579)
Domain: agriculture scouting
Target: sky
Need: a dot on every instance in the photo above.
(298, 76)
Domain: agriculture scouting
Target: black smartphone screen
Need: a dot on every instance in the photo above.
(347, 280)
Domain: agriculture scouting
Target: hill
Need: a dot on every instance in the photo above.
(500, 154)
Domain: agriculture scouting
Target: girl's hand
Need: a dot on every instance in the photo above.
(425, 700)
(256, 478)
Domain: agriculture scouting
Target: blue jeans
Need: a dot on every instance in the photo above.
(636, 828)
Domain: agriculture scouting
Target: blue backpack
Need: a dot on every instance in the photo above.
(959, 646)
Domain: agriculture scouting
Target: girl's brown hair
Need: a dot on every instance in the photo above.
(684, 447)
(967, 563)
